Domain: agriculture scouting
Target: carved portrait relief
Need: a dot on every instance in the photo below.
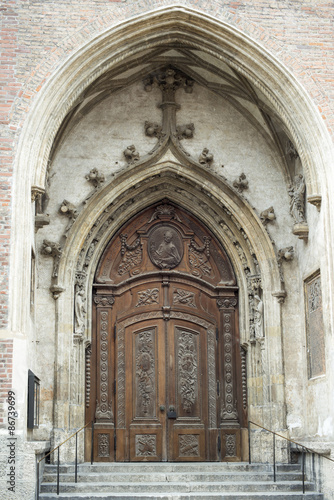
(165, 247)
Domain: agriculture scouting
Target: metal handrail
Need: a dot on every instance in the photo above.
(304, 449)
(76, 456)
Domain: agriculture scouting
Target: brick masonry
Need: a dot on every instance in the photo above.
(6, 369)
(39, 35)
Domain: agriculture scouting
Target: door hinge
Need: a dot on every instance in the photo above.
(219, 444)
(115, 441)
(218, 388)
(115, 386)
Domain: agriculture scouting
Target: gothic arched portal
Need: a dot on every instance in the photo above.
(165, 361)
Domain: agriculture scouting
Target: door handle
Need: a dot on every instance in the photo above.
(162, 407)
(171, 412)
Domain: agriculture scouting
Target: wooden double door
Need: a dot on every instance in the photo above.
(164, 364)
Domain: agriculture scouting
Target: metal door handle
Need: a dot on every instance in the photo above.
(162, 407)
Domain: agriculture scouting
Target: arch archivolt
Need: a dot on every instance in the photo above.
(223, 211)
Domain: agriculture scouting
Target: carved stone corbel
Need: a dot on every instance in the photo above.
(68, 209)
(315, 200)
(56, 290)
(52, 249)
(131, 155)
(286, 254)
(241, 183)
(205, 158)
(267, 215)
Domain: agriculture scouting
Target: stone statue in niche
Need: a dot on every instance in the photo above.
(241, 183)
(80, 312)
(258, 317)
(165, 247)
(131, 155)
(205, 158)
(297, 202)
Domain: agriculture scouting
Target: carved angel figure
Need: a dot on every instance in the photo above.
(297, 202)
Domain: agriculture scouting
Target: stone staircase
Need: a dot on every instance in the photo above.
(177, 481)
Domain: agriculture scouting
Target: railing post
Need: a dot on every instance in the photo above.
(274, 456)
(58, 473)
(92, 449)
(37, 488)
(76, 459)
(303, 469)
(249, 443)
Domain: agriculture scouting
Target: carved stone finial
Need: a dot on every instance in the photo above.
(241, 183)
(153, 130)
(205, 158)
(131, 155)
(95, 178)
(286, 254)
(267, 215)
(185, 131)
(53, 250)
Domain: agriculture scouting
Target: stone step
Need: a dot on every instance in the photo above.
(168, 467)
(172, 476)
(174, 487)
(184, 496)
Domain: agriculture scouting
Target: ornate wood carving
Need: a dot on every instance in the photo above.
(132, 255)
(103, 445)
(88, 354)
(165, 211)
(188, 445)
(231, 445)
(146, 445)
(229, 411)
(103, 405)
(147, 297)
(184, 297)
(145, 374)
(104, 300)
(191, 318)
(212, 377)
(121, 377)
(199, 257)
(187, 370)
(165, 247)
(243, 353)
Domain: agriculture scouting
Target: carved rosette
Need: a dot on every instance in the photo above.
(121, 377)
(103, 404)
(88, 354)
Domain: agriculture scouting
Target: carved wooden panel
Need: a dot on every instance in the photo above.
(145, 383)
(315, 327)
(184, 297)
(187, 356)
(189, 445)
(104, 402)
(147, 297)
(103, 445)
(146, 445)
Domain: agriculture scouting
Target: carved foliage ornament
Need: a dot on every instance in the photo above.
(199, 257)
(187, 370)
(131, 155)
(165, 211)
(146, 445)
(267, 215)
(241, 183)
(205, 158)
(132, 255)
(188, 445)
(53, 250)
(95, 178)
(145, 374)
(147, 297)
(169, 80)
(184, 297)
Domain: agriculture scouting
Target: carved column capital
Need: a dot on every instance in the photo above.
(104, 300)
(227, 302)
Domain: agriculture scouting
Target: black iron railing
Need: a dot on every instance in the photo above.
(58, 458)
(304, 450)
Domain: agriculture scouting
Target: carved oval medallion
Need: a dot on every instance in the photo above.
(165, 247)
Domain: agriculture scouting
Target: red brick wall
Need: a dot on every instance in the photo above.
(6, 370)
(38, 36)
